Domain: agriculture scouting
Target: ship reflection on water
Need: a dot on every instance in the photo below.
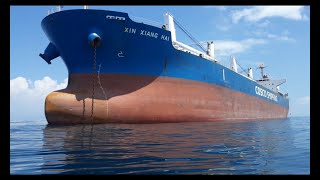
(250, 147)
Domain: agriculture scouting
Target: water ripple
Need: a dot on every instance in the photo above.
(250, 147)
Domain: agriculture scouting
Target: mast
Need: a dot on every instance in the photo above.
(261, 67)
(168, 18)
(170, 23)
(59, 8)
(234, 64)
(210, 49)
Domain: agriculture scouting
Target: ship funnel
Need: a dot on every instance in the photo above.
(50, 53)
(94, 39)
(168, 19)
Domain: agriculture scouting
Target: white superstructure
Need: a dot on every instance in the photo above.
(273, 85)
(169, 25)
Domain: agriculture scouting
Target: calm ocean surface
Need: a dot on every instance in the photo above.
(248, 147)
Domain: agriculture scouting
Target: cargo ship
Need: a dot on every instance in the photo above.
(124, 71)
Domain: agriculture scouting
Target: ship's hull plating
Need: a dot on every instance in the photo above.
(120, 98)
(142, 77)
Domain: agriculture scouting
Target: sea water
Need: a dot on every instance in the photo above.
(278, 146)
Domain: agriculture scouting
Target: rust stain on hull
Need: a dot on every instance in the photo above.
(144, 99)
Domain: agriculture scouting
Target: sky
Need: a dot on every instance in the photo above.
(278, 36)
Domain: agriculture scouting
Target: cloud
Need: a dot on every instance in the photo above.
(220, 8)
(228, 47)
(223, 27)
(282, 37)
(300, 106)
(258, 13)
(304, 100)
(224, 24)
(17, 85)
(263, 24)
(22, 86)
(27, 97)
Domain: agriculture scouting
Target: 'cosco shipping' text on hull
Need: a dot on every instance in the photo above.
(121, 71)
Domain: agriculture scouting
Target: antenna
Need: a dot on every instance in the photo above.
(261, 67)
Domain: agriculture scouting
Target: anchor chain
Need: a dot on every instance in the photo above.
(83, 107)
(93, 79)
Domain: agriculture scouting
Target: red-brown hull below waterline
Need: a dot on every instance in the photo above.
(144, 99)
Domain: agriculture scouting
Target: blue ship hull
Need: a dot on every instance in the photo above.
(137, 49)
